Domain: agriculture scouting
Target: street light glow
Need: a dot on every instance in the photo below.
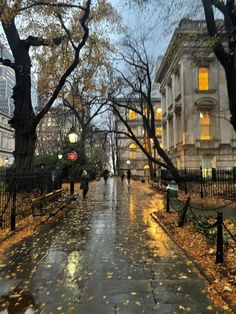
(73, 137)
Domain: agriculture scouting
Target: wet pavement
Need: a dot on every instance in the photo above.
(105, 255)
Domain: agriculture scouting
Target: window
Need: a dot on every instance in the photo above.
(131, 115)
(203, 78)
(145, 167)
(158, 114)
(132, 146)
(132, 152)
(158, 131)
(205, 126)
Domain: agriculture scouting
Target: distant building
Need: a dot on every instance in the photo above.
(53, 130)
(7, 142)
(194, 102)
(7, 82)
(97, 147)
(129, 154)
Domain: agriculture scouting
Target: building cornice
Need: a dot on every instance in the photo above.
(180, 45)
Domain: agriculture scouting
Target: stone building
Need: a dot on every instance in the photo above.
(7, 142)
(194, 102)
(128, 153)
(7, 82)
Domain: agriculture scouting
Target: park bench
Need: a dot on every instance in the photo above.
(39, 202)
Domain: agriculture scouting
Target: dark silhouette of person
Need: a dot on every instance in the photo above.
(84, 183)
(105, 175)
(128, 176)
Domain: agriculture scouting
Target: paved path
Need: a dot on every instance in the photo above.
(105, 255)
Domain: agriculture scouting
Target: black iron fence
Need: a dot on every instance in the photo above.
(181, 208)
(219, 183)
(18, 190)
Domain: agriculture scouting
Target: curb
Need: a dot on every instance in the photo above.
(195, 263)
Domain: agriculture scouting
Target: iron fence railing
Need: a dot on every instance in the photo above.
(18, 190)
(220, 183)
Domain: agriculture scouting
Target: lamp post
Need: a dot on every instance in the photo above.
(73, 139)
(128, 163)
(59, 175)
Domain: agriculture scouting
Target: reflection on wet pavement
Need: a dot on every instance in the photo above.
(105, 255)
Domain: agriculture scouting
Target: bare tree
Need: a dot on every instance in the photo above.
(136, 83)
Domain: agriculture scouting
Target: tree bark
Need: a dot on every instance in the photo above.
(22, 121)
(231, 85)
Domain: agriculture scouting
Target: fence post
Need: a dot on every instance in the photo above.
(183, 213)
(185, 182)
(72, 185)
(167, 201)
(13, 211)
(201, 192)
(219, 245)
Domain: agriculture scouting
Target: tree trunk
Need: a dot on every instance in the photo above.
(22, 121)
(82, 155)
(231, 85)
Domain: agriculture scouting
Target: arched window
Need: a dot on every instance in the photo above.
(132, 145)
(205, 126)
(132, 115)
(158, 114)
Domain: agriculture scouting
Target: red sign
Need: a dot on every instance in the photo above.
(72, 156)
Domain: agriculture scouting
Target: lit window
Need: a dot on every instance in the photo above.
(203, 78)
(132, 152)
(132, 155)
(158, 131)
(131, 115)
(146, 167)
(158, 114)
(205, 126)
(132, 146)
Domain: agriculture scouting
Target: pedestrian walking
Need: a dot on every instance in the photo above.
(122, 176)
(128, 176)
(105, 175)
(84, 183)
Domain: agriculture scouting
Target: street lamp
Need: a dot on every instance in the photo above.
(73, 139)
(59, 156)
(128, 163)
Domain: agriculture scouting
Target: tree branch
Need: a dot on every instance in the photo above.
(37, 41)
(70, 69)
(55, 5)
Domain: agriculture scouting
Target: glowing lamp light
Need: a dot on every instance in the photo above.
(73, 137)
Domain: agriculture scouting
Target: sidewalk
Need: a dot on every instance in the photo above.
(105, 255)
